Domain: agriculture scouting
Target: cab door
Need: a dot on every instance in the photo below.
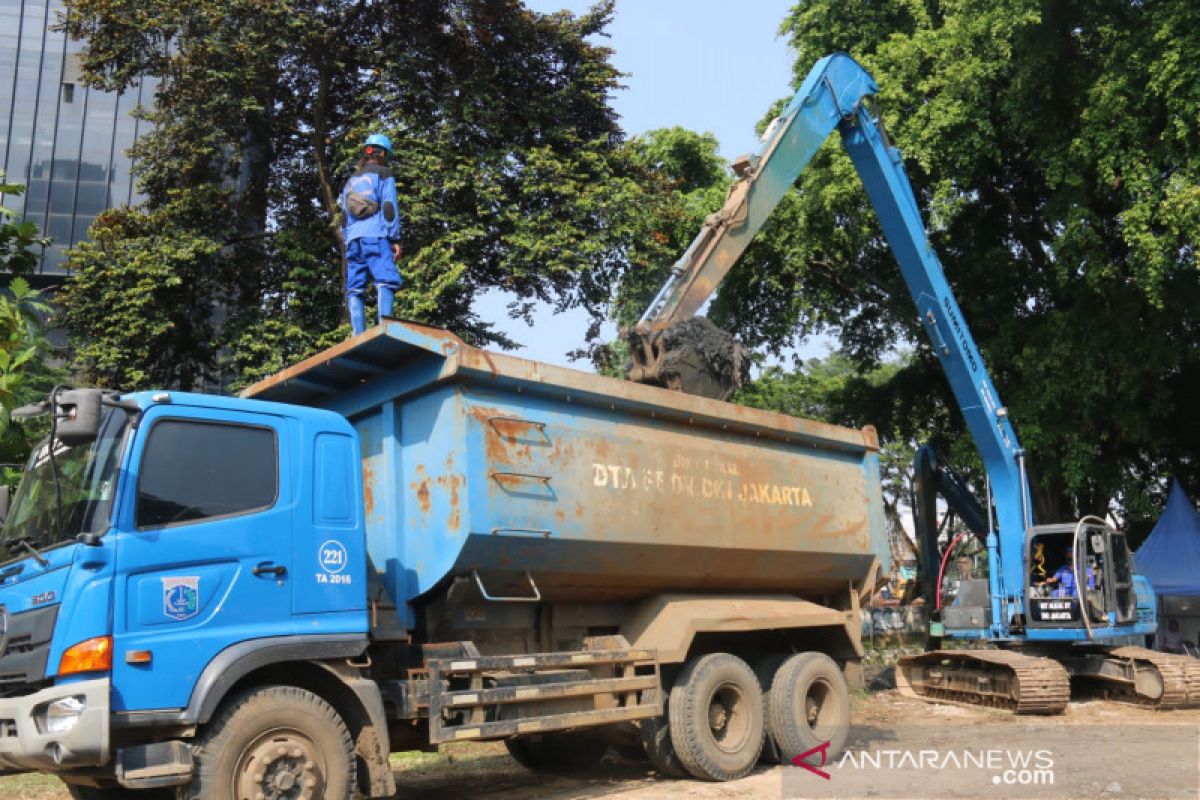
(1124, 598)
(204, 551)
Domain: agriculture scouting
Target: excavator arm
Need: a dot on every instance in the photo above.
(838, 94)
(833, 91)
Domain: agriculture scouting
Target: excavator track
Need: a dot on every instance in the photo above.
(1016, 682)
(1179, 676)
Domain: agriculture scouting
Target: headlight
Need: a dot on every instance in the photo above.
(61, 715)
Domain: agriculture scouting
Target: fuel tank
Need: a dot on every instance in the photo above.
(538, 480)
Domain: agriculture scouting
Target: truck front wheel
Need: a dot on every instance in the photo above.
(274, 742)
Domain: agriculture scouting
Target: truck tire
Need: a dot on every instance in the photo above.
(557, 752)
(716, 717)
(808, 705)
(656, 742)
(267, 741)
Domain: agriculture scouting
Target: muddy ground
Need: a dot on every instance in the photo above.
(1098, 748)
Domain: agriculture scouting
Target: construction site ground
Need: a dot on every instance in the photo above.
(1101, 727)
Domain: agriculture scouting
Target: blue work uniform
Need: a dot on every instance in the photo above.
(369, 247)
(1066, 581)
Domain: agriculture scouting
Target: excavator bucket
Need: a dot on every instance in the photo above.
(692, 356)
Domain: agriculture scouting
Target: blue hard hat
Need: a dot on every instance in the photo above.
(379, 140)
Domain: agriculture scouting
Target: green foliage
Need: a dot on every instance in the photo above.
(837, 391)
(509, 163)
(17, 237)
(1054, 152)
(26, 373)
(688, 179)
(141, 305)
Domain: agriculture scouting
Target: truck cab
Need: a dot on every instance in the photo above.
(191, 539)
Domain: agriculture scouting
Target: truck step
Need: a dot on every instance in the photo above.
(536, 661)
(553, 722)
(495, 697)
(548, 691)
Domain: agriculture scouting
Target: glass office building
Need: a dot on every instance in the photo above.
(65, 142)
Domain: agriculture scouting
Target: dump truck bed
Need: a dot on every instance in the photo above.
(598, 489)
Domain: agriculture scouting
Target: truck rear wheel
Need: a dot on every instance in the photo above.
(557, 752)
(808, 705)
(274, 742)
(716, 714)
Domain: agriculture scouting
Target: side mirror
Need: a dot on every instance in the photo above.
(78, 416)
(5, 496)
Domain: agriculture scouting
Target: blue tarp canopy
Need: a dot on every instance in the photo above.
(1170, 556)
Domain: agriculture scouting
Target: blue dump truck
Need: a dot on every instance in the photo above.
(405, 541)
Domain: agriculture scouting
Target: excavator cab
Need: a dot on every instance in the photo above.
(1071, 570)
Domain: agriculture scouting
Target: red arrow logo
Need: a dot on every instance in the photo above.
(823, 749)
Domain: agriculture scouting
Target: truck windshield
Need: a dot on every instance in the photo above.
(87, 480)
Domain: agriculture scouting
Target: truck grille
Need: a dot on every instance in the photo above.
(26, 648)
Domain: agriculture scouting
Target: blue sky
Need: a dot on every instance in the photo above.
(708, 65)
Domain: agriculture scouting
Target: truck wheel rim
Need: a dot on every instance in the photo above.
(815, 705)
(729, 718)
(281, 764)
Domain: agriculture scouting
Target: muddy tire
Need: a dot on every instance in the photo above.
(274, 741)
(557, 752)
(716, 717)
(808, 705)
(656, 742)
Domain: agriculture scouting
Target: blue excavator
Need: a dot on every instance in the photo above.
(1060, 601)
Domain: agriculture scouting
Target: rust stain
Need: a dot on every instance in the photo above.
(560, 515)
(421, 487)
(494, 447)
(368, 479)
(423, 496)
(455, 521)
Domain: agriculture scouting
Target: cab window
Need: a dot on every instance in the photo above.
(193, 471)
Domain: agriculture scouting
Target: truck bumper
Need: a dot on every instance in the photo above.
(26, 743)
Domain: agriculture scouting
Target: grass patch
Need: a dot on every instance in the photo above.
(32, 786)
(462, 756)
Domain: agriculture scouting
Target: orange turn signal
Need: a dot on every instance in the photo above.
(138, 657)
(90, 655)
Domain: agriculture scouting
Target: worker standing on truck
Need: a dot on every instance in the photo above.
(371, 231)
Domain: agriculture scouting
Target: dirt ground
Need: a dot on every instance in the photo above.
(1099, 748)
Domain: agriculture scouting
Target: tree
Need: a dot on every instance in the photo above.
(689, 178)
(509, 164)
(18, 238)
(837, 391)
(1054, 152)
(26, 373)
